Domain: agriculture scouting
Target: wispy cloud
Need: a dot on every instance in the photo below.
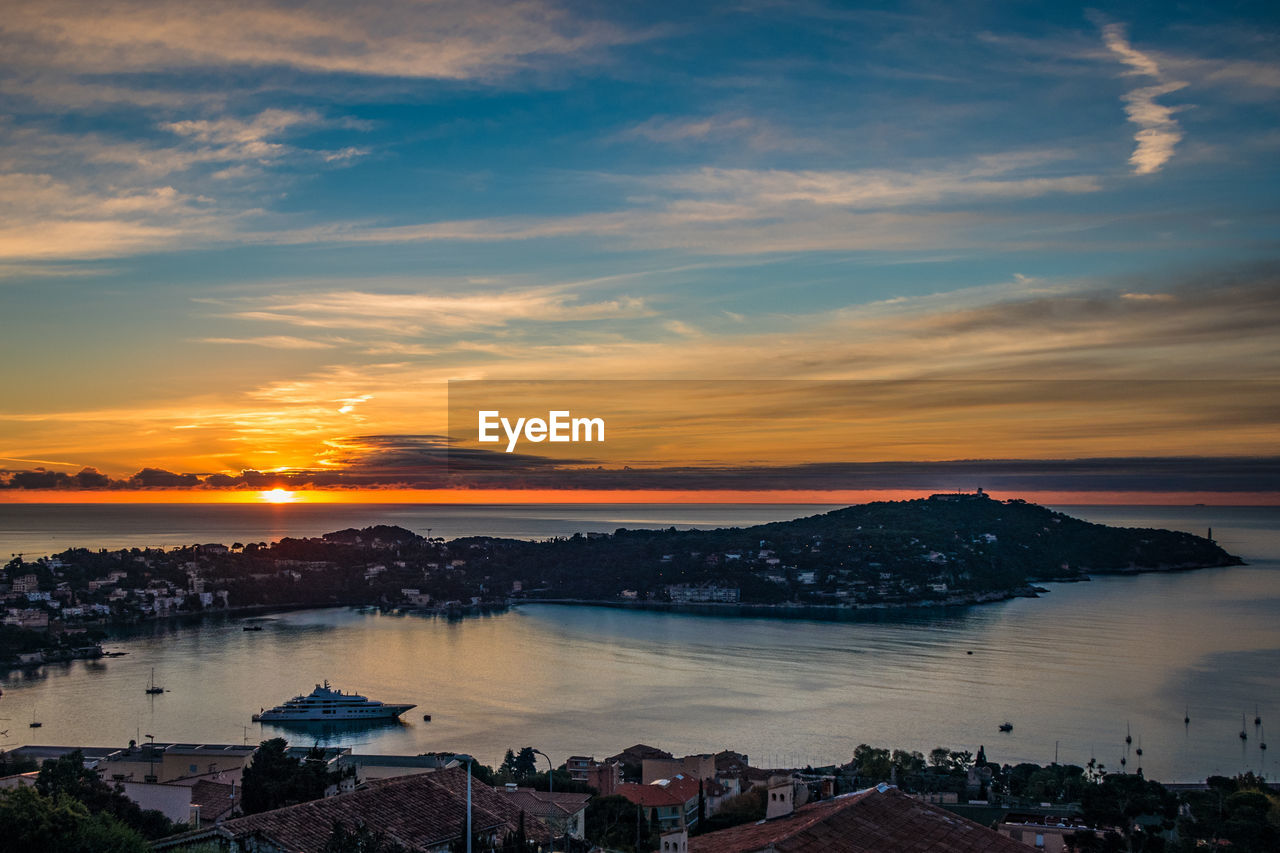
(44, 217)
(754, 133)
(1158, 131)
(417, 313)
(272, 342)
(447, 39)
(752, 211)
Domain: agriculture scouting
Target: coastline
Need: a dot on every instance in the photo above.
(856, 612)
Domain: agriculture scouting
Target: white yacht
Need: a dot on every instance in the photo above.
(324, 704)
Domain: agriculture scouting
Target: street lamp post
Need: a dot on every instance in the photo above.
(467, 759)
(551, 772)
(151, 759)
(550, 769)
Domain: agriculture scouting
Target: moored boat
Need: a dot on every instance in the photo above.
(325, 704)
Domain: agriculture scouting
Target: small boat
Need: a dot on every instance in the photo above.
(1006, 727)
(152, 689)
(426, 718)
(252, 628)
(35, 724)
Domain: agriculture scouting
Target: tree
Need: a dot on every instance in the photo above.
(508, 765)
(276, 779)
(526, 763)
(872, 763)
(615, 823)
(67, 776)
(743, 808)
(36, 823)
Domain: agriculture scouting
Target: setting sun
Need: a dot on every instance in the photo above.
(278, 496)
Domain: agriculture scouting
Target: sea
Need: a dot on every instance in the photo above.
(1074, 671)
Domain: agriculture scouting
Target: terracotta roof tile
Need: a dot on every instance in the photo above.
(649, 795)
(214, 799)
(415, 811)
(869, 821)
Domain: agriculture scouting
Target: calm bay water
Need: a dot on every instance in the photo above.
(1073, 667)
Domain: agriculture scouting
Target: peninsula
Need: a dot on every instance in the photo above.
(945, 550)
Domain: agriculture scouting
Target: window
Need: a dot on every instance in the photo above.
(1040, 840)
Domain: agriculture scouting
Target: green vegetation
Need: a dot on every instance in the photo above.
(1242, 812)
(950, 550)
(36, 823)
(615, 823)
(68, 777)
(276, 779)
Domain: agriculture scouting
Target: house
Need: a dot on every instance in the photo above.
(877, 820)
(684, 594)
(668, 803)
(1044, 833)
(562, 813)
(25, 584)
(369, 768)
(425, 813)
(604, 776)
(165, 762)
(660, 807)
(693, 766)
(637, 754)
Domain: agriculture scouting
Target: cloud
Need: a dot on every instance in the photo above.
(271, 342)
(415, 313)
(755, 133)
(431, 462)
(1218, 325)
(752, 211)
(1158, 131)
(64, 196)
(446, 39)
(45, 217)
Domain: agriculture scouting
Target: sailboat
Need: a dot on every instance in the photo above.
(1186, 716)
(151, 687)
(1128, 736)
(1243, 734)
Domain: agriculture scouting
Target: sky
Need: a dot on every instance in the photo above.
(250, 244)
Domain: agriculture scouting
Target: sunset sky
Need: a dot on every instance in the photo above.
(263, 237)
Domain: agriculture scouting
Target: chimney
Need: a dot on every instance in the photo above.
(512, 787)
(674, 841)
(781, 798)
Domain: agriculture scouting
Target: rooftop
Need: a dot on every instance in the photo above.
(872, 821)
(413, 811)
(545, 804)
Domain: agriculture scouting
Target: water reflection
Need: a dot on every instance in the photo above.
(1071, 668)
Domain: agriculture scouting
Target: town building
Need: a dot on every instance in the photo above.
(876, 820)
(562, 813)
(424, 813)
